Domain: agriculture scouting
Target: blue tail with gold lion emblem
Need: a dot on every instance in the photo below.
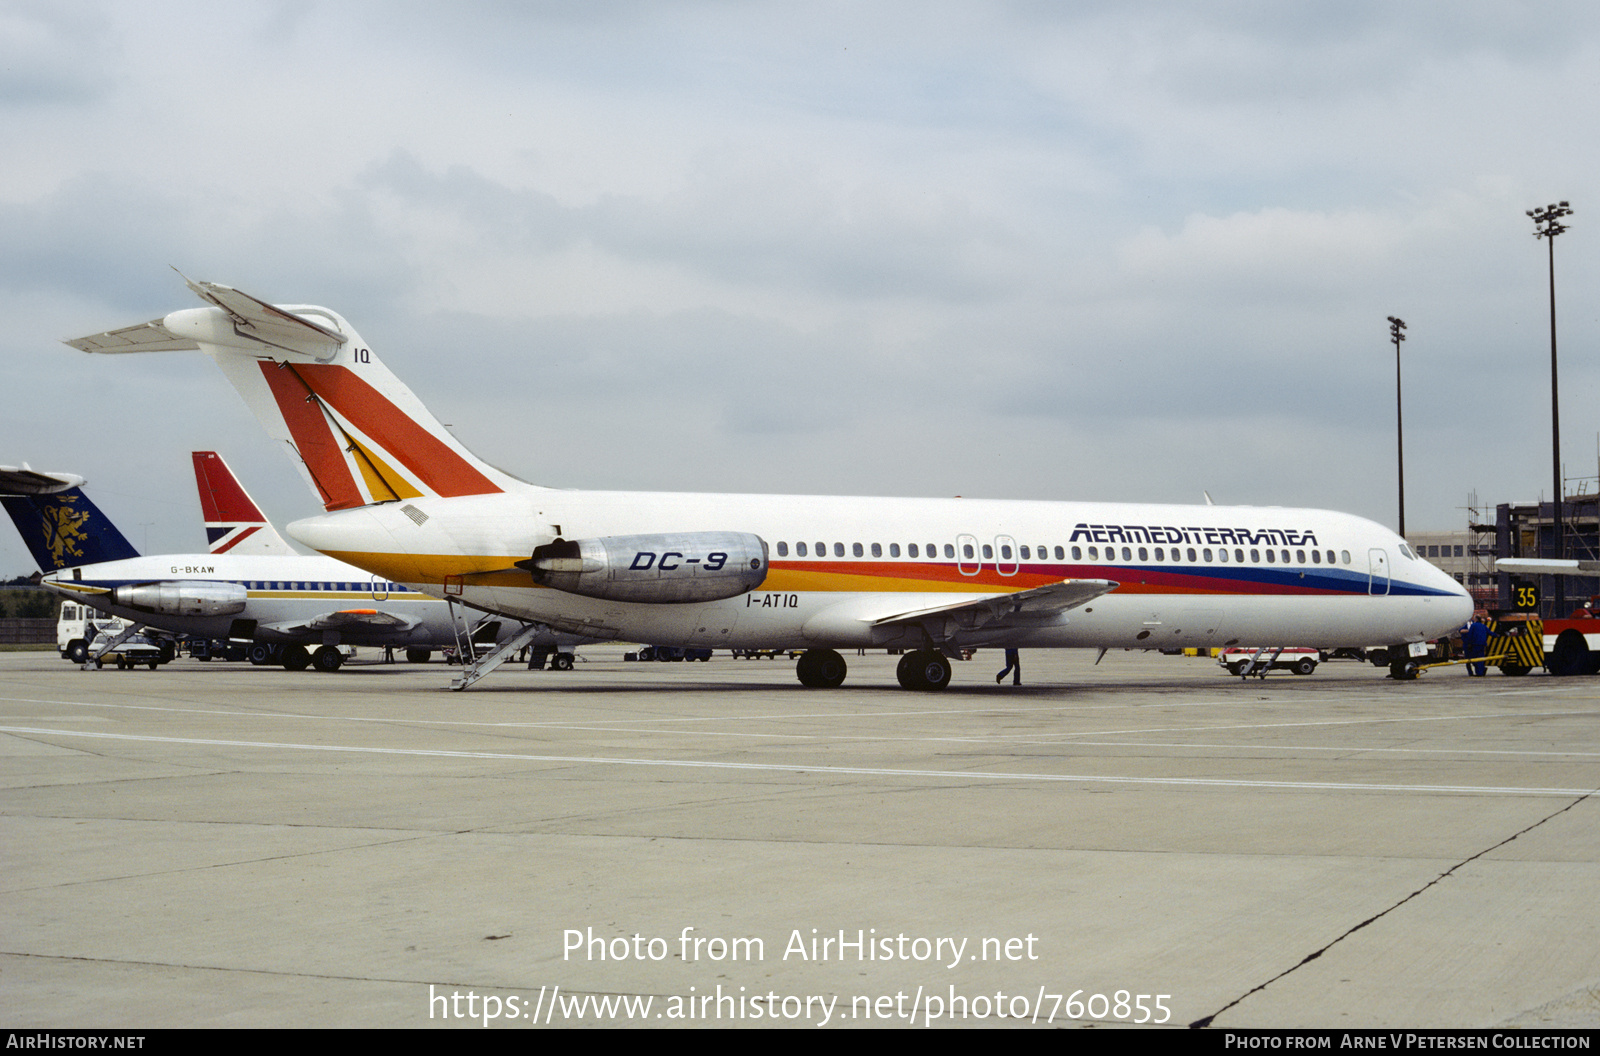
(66, 529)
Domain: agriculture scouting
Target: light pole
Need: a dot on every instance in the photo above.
(1547, 225)
(1397, 334)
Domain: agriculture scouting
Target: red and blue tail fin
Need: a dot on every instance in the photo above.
(234, 523)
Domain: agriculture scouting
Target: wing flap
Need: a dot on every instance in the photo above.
(348, 619)
(1039, 601)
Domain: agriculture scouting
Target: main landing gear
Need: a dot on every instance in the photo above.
(922, 669)
(925, 669)
(820, 669)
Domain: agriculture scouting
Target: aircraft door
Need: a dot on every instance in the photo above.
(967, 557)
(1005, 555)
(1377, 572)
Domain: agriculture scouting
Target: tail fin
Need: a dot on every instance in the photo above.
(234, 523)
(358, 433)
(65, 529)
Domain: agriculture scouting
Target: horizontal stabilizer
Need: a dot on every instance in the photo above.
(145, 337)
(25, 480)
(257, 321)
(1547, 566)
(357, 432)
(1051, 598)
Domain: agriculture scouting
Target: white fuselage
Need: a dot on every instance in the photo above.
(1186, 575)
(281, 593)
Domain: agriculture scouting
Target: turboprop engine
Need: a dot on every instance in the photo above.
(183, 598)
(670, 568)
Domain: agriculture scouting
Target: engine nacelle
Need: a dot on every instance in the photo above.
(183, 597)
(666, 569)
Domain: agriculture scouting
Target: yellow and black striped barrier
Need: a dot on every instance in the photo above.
(1520, 642)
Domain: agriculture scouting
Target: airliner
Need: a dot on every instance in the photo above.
(407, 501)
(252, 587)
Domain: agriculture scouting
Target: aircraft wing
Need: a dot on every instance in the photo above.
(25, 480)
(1039, 601)
(347, 620)
(1547, 566)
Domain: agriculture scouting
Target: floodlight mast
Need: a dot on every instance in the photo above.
(1547, 225)
(1397, 328)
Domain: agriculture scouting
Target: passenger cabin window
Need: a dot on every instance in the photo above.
(783, 549)
(856, 551)
(800, 549)
(838, 549)
(1077, 554)
(1059, 555)
(911, 551)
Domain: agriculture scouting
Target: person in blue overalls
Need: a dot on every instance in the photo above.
(1475, 643)
(1013, 668)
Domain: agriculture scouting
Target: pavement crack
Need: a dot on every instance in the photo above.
(1206, 1021)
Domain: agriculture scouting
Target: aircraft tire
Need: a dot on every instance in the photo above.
(418, 656)
(924, 669)
(902, 670)
(327, 658)
(78, 650)
(820, 669)
(1305, 666)
(261, 654)
(296, 658)
(561, 662)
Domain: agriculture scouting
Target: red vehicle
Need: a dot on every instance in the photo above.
(1572, 646)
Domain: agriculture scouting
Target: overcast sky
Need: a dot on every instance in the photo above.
(1123, 251)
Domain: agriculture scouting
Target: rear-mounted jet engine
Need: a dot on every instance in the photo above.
(671, 568)
(183, 598)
